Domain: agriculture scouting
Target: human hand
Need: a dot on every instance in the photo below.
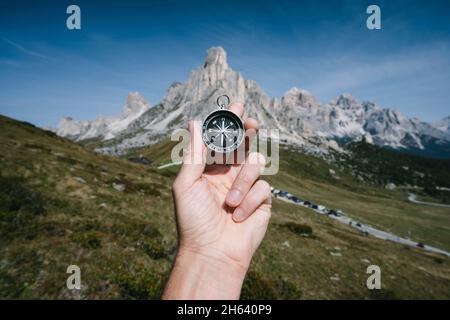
(222, 215)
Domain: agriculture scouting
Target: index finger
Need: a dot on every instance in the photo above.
(237, 108)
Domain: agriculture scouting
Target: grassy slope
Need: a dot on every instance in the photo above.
(125, 250)
(385, 209)
(389, 210)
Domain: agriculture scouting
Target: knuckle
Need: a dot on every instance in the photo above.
(257, 158)
(264, 185)
(247, 176)
(252, 200)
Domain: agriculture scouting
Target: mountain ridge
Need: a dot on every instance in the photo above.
(301, 119)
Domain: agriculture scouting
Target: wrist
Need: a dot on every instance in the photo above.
(204, 274)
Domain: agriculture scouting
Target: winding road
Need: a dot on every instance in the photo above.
(413, 198)
(375, 232)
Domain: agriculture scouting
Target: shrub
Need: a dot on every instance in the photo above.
(149, 189)
(68, 160)
(168, 173)
(89, 239)
(156, 248)
(15, 196)
(258, 287)
(299, 229)
(146, 237)
(382, 294)
(142, 285)
(10, 287)
(136, 230)
(19, 207)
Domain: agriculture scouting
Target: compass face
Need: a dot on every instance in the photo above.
(223, 131)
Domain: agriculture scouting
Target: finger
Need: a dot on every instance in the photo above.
(194, 159)
(249, 173)
(237, 108)
(251, 130)
(258, 195)
(251, 123)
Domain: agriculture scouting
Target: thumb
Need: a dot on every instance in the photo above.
(194, 159)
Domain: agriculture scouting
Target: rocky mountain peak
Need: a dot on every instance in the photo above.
(296, 97)
(443, 125)
(347, 101)
(68, 127)
(216, 56)
(135, 103)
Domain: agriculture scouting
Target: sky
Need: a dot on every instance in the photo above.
(48, 71)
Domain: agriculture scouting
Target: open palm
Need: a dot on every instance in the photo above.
(222, 210)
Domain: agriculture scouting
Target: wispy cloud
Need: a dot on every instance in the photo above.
(9, 62)
(24, 50)
(407, 67)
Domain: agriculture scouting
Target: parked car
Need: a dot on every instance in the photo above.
(141, 159)
(307, 203)
(282, 194)
(297, 200)
(332, 212)
(314, 206)
(420, 245)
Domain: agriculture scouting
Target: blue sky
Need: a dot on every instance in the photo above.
(48, 71)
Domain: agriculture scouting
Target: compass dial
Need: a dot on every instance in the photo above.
(223, 131)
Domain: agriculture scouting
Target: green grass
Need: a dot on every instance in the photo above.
(50, 218)
(388, 210)
(125, 242)
(309, 178)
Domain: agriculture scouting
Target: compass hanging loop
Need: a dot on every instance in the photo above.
(223, 101)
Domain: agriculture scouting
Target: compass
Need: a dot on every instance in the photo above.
(223, 130)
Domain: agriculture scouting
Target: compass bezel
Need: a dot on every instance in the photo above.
(228, 114)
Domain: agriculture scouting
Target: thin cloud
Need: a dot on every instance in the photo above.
(24, 50)
(9, 62)
(352, 75)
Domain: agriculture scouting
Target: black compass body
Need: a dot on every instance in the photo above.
(223, 131)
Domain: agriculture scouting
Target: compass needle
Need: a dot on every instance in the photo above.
(225, 123)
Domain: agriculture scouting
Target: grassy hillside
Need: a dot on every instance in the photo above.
(367, 200)
(381, 166)
(61, 204)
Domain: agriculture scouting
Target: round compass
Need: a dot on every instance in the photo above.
(223, 130)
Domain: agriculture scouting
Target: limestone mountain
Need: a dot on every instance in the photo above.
(106, 128)
(301, 119)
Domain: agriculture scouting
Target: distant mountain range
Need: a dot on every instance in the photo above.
(297, 114)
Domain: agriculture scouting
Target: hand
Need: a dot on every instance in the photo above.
(222, 214)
